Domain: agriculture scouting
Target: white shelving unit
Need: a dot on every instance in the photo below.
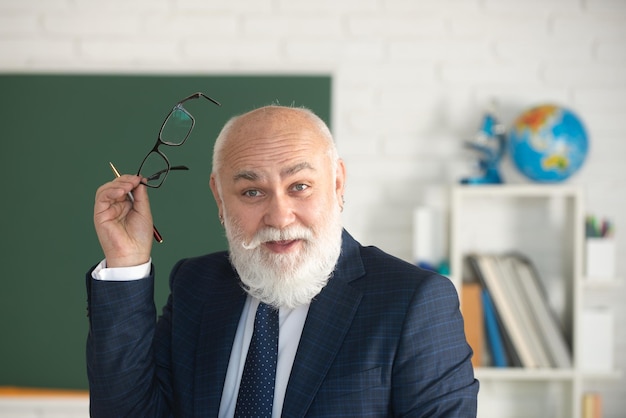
(546, 223)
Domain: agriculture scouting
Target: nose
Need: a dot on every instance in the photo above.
(279, 212)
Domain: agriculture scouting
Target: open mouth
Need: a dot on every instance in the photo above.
(281, 246)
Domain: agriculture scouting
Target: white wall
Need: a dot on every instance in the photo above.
(44, 406)
(411, 79)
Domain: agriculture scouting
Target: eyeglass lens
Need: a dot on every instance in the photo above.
(153, 169)
(174, 132)
(176, 127)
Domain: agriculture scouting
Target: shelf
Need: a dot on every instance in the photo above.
(521, 374)
(609, 375)
(602, 284)
(546, 223)
(521, 190)
(518, 373)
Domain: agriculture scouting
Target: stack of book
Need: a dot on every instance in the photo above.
(521, 328)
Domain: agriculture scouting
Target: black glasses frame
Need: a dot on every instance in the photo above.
(163, 173)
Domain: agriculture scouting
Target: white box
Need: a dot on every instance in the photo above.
(597, 339)
(600, 258)
(428, 235)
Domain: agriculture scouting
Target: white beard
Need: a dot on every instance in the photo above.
(286, 280)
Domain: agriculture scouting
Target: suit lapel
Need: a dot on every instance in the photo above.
(220, 319)
(329, 319)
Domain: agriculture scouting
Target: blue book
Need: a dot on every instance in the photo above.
(494, 337)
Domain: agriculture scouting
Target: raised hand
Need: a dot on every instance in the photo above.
(124, 226)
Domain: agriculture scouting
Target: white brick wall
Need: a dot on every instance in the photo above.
(411, 78)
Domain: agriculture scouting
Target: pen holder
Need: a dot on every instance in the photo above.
(600, 259)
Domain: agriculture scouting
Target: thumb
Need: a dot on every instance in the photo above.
(141, 201)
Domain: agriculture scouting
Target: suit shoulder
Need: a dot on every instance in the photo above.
(384, 267)
(376, 261)
(204, 268)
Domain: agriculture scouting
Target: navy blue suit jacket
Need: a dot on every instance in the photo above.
(382, 339)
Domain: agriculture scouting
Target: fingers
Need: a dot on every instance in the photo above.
(117, 189)
(123, 221)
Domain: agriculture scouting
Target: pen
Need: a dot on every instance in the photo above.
(157, 235)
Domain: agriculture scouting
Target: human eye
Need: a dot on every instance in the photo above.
(300, 187)
(251, 193)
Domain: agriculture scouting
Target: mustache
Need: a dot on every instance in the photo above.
(274, 234)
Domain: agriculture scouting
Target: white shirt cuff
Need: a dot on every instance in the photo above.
(121, 274)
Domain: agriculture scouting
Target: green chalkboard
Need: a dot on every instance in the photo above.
(58, 134)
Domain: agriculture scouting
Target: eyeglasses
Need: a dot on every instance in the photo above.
(174, 132)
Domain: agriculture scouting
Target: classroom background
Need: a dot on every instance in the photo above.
(411, 80)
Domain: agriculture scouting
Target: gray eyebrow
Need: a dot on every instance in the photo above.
(298, 167)
(246, 175)
(252, 175)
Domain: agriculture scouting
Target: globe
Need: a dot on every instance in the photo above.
(548, 143)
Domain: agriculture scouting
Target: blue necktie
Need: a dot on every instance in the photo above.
(256, 391)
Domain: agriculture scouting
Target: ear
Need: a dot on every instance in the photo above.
(340, 181)
(216, 195)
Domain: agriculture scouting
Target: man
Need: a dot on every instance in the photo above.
(361, 333)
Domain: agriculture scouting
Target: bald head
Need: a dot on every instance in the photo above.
(271, 124)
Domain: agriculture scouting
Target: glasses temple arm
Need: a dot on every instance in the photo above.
(198, 95)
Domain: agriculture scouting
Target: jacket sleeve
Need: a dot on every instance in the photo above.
(125, 378)
(433, 374)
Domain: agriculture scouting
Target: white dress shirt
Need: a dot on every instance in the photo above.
(290, 322)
